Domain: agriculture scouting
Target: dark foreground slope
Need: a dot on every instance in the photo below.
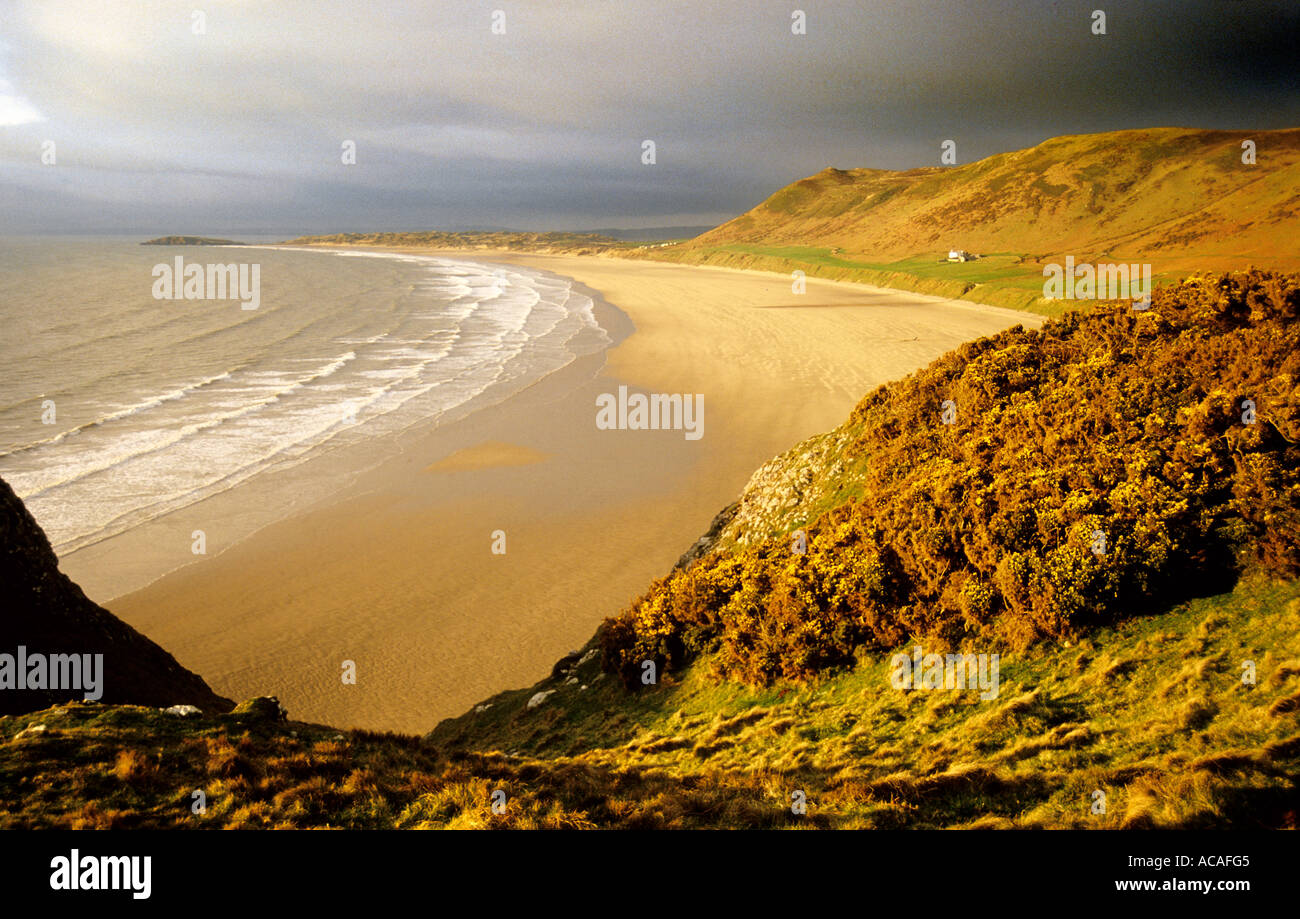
(45, 613)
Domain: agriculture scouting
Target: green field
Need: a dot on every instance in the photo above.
(998, 279)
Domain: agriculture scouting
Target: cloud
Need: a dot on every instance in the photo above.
(14, 109)
(542, 126)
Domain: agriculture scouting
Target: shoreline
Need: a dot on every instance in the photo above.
(88, 565)
(395, 573)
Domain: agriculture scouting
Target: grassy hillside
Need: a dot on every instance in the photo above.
(1177, 198)
(1153, 714)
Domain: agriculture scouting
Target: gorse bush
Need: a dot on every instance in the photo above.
(1113, 462)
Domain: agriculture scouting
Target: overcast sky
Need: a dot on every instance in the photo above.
(239, 129)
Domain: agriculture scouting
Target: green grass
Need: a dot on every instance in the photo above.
(1152, 713)
(1009, 280)
(996, 279)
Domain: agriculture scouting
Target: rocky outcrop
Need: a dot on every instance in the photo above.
(45, 614)
(785, 492)
(704, 545)
(263, 708)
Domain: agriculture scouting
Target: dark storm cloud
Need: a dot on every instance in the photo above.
(240, 127)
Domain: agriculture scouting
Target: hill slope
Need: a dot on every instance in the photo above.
(48, 614)
(1178, 198)
(1151, 191)
(1153, 715)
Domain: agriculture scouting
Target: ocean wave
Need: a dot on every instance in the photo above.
(458, 331)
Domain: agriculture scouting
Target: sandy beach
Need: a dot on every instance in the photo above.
(397, 573)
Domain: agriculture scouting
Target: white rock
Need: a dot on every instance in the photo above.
(481, 708)
(30, 730)
(540, 697)
(588, 656)
(184, 711)
(570, 681)
(583, 686)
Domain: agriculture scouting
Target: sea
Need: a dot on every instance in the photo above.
(118, 406)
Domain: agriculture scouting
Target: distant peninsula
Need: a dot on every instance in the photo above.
(552, 243)
(190, 241)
